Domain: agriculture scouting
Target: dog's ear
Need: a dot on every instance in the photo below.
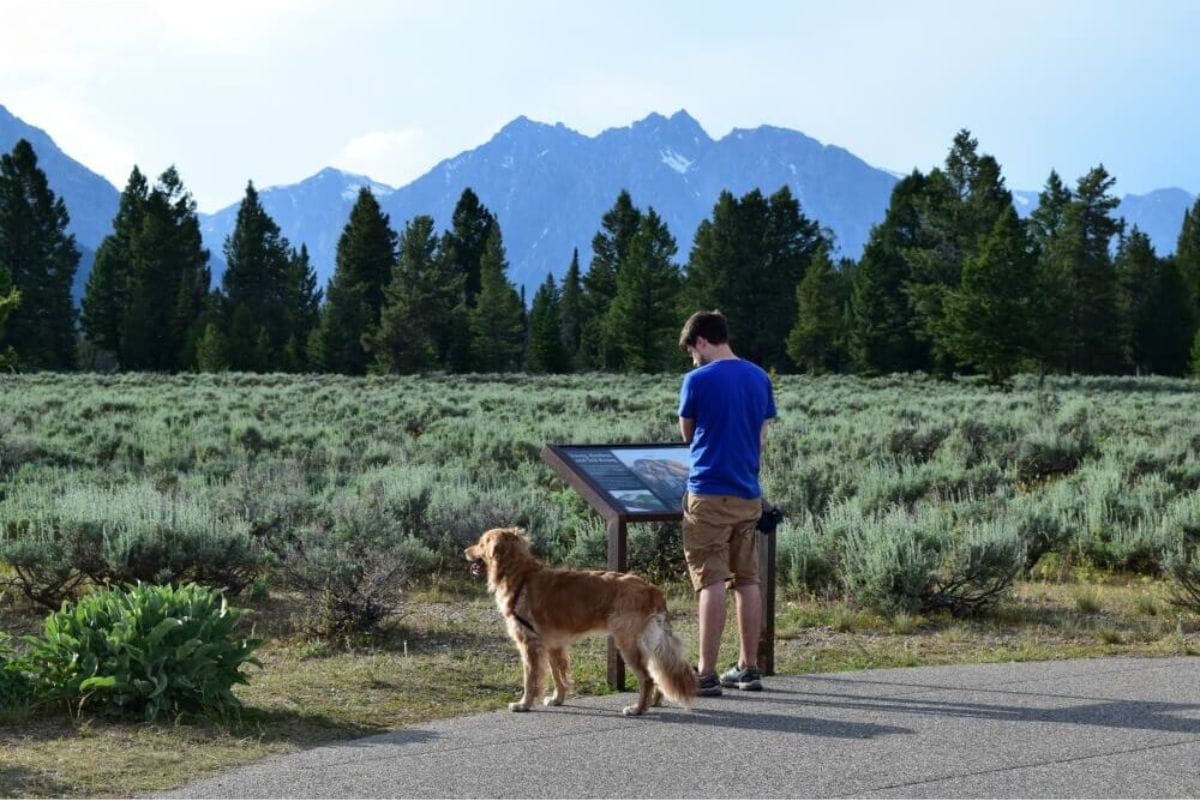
(500, 542)
(509, 540)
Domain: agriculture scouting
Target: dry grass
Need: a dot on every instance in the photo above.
(448, 656)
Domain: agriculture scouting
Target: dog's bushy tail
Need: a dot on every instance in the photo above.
(666, 662)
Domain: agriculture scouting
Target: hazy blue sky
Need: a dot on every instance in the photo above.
(274, 91)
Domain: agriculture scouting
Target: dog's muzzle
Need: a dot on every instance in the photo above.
(476, 566)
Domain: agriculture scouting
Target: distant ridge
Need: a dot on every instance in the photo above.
(550, 185)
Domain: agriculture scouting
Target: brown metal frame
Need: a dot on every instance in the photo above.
(617, 517)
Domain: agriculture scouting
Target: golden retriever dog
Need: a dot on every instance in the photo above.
(547, 609)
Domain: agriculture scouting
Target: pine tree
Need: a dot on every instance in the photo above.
(1046, 220)
(1054, 273)
(1187, 261)
(1187, 253)
(545, 351)
(255, 289)
(498, 318)
(988, 318)
(210, 350)
(643, 318)
(958, 210)
(452, 328)
(424, 292)
(715, 250)
(817, 341)
(191, 274)
(40, 258)
(462, 249)
(470, 227)
(1169, 322)
(881, 338)
(105, 295)
(166, 276)
(1137, 268)
(748, 261)
(303, 303)
(571, 312)
(767, 295)
(366, 254)
(1082, 257)
(367, 248)
(609, 248)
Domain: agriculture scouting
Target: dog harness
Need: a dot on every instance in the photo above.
(512, 609)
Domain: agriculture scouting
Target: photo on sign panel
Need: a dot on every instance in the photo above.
(664, 472)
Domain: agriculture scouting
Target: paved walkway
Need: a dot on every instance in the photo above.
(1092, 728)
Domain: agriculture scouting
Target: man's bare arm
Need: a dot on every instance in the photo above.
(762, 435)
(687, 427)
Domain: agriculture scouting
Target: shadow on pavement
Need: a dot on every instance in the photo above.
(743, 720)
(785, 723)
(1140, 715)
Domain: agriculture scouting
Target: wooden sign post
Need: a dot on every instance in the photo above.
(646, 483)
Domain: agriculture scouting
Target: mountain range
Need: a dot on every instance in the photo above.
(549, 186)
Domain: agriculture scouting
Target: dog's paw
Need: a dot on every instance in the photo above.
(553, 701)
(633, 711)
(518, 706)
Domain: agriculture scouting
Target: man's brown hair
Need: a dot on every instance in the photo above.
(709, 324)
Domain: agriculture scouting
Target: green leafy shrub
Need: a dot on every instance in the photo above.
(142, 651)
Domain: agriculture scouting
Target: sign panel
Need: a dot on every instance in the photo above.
(632, 480)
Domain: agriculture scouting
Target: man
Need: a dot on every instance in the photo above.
(725, 405)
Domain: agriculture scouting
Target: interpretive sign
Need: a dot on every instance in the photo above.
(638, 481)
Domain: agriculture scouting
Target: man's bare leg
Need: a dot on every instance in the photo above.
(712, 625)
(749, 616)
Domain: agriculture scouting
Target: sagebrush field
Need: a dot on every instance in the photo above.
(259, 474)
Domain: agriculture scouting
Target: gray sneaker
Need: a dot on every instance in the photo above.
(748, 679)
(709, 685)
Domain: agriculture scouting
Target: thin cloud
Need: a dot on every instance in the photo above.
(395, 157)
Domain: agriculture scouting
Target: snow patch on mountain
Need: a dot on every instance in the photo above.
(675, 161)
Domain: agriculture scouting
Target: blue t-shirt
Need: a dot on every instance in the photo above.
(728, 400)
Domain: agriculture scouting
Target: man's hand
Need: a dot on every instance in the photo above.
(687, 428)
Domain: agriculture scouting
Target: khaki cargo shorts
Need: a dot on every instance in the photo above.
(720, 542)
